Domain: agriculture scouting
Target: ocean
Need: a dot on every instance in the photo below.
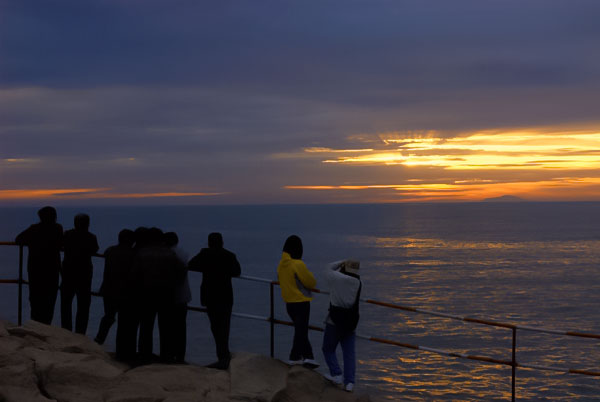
(533, 264)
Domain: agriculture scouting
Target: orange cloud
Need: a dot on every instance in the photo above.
(88, 193)
(567, 188)
(153, 195)
(515, 150)
(27, 194)
(536, 164)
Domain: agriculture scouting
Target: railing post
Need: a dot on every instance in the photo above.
(272, 321)
(20, 300)
(514, 361)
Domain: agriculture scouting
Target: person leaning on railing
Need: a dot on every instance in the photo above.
(76, 272)
(118, 260)
(295, 281)
(44, 240)
(217, 265)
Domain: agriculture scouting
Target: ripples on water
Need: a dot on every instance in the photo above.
(530, 264)
(553, 284)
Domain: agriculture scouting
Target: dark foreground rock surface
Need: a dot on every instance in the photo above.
(44, 363)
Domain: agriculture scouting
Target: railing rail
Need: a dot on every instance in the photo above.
(272, 320)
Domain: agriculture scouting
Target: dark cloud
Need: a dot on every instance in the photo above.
(276, 46)
(207, 92)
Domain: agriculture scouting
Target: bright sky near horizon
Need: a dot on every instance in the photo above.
(280, 101)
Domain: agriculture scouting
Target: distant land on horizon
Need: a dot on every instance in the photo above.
(505, 198)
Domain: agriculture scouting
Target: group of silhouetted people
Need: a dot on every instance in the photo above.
(145, 280)
(45, 240)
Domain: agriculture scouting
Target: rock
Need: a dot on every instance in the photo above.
(3, 330)
(11, 393)
(304, 385)
(73, 376)
(18, 379)
(53, 338)
(40, 363)
(171, 382)
(256, 378)
(9, 344)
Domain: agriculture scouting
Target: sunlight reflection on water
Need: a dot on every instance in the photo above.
(541, 283)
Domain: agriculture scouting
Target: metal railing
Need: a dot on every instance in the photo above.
(273, 321)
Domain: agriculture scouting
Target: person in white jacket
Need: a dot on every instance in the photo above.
(345, 286)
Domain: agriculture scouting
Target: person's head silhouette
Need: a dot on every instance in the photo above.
(47, 215)
(171, 239)
(215, 240)
(82, 222)
(126, 238)
(293, 246)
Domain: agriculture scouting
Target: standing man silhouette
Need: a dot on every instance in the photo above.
(77, 269)
(44, 240)
(118, 261)
(156, 271)
(218, 266)
(176, 318)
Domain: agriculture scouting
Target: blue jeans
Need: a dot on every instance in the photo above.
(330, 341)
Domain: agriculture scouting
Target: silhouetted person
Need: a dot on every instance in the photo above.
(118, 261)
(128, 318)
(173, 346)
(141, 238)
(77, 269)
(344, 289)
(156, 270)
(218, 266)
(296, 281)
(44, 240)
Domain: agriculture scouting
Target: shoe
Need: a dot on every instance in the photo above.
(336, 379)
(310, 363)
(349, 387)
(294, 362)
(219, 365)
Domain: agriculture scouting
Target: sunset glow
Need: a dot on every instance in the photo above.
(86, 193)
(512, 150)
(315, 102)
(538, 164)
(477, 190)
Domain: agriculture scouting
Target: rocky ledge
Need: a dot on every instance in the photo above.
(44, 363)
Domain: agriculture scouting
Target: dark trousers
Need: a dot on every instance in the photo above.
(69, 288)
(148, 314)
(110, 312)
(127, 331)
(172, 326)
(300, 313)
(42, 297)
(220, 321)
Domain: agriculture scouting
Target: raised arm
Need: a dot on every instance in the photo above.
(332, 271)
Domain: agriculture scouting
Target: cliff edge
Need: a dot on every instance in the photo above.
(41, 363)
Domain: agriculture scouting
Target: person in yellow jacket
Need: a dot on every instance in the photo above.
(296, 281)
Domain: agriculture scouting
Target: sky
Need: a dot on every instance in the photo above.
(328, 101)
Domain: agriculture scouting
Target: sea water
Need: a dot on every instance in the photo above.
(534, 264)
